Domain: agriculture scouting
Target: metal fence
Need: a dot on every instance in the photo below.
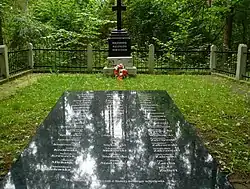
(100, 59)
(87, 60)
(226, 62)
(246, 76)
(76, 60)
(18, 61)
(182, 60)
(62, 60)
(140, 60)
(1, 74)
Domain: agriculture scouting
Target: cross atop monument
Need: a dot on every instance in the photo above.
(119, 8)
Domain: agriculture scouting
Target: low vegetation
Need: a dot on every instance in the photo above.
(219, 108)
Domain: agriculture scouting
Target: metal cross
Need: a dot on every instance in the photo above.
(119, 8)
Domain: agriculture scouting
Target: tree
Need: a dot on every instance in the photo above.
(1, 24)
(181, 24)
(1, 32)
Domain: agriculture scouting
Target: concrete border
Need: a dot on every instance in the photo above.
(15, 76)
(231, 78)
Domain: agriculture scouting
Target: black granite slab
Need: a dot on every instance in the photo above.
(115, 140)
(119, 44)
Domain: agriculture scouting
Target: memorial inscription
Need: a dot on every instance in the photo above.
(110, 139)
(119, 46)
(64, 148)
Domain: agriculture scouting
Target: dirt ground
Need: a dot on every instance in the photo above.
(10, 88)
(240, 183)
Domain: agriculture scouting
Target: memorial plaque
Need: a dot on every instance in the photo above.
(119, 44)
(115, 140)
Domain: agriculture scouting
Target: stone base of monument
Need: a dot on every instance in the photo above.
(126, 61)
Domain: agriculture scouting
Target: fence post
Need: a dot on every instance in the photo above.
(151, 57)
(31, 56)
(213, 59)
(4, 63)
(90, 58)
(241, 61)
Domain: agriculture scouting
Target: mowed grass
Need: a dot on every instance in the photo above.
(219, 109)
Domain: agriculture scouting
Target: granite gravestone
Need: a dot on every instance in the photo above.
(119, 45)
(115, 140)
(119, 41)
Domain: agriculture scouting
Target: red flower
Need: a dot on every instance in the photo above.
(124, 72)
(120, 66)
(120, 72)
(116, 72)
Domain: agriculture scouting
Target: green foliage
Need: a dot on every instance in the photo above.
(22, 29)
(56, 23)
(174, 23)
(75, 24)
(180, 25)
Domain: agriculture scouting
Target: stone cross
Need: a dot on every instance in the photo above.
(119, 8)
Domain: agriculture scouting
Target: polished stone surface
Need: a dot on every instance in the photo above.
(115, 140)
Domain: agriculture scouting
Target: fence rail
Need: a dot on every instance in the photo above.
(140, 60)
(18, 61)
(226, 62)
(232, 63)
(99, 59)
(76, 60)
(246, 76)
(60, 60)
(182, 60)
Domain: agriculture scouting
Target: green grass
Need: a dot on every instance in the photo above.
(219, 108)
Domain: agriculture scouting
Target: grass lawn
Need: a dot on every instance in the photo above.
(219, 108)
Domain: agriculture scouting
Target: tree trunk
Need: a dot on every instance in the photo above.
(243, 32)
(1, 31)
(209, 2)
(244, 28)
(26, 5)
(228, 30)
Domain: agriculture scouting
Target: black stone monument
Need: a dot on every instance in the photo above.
(119, 41)
(115, 140)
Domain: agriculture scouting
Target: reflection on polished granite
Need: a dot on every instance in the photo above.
(115, 140)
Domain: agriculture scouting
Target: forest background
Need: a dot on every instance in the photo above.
(168, 24)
